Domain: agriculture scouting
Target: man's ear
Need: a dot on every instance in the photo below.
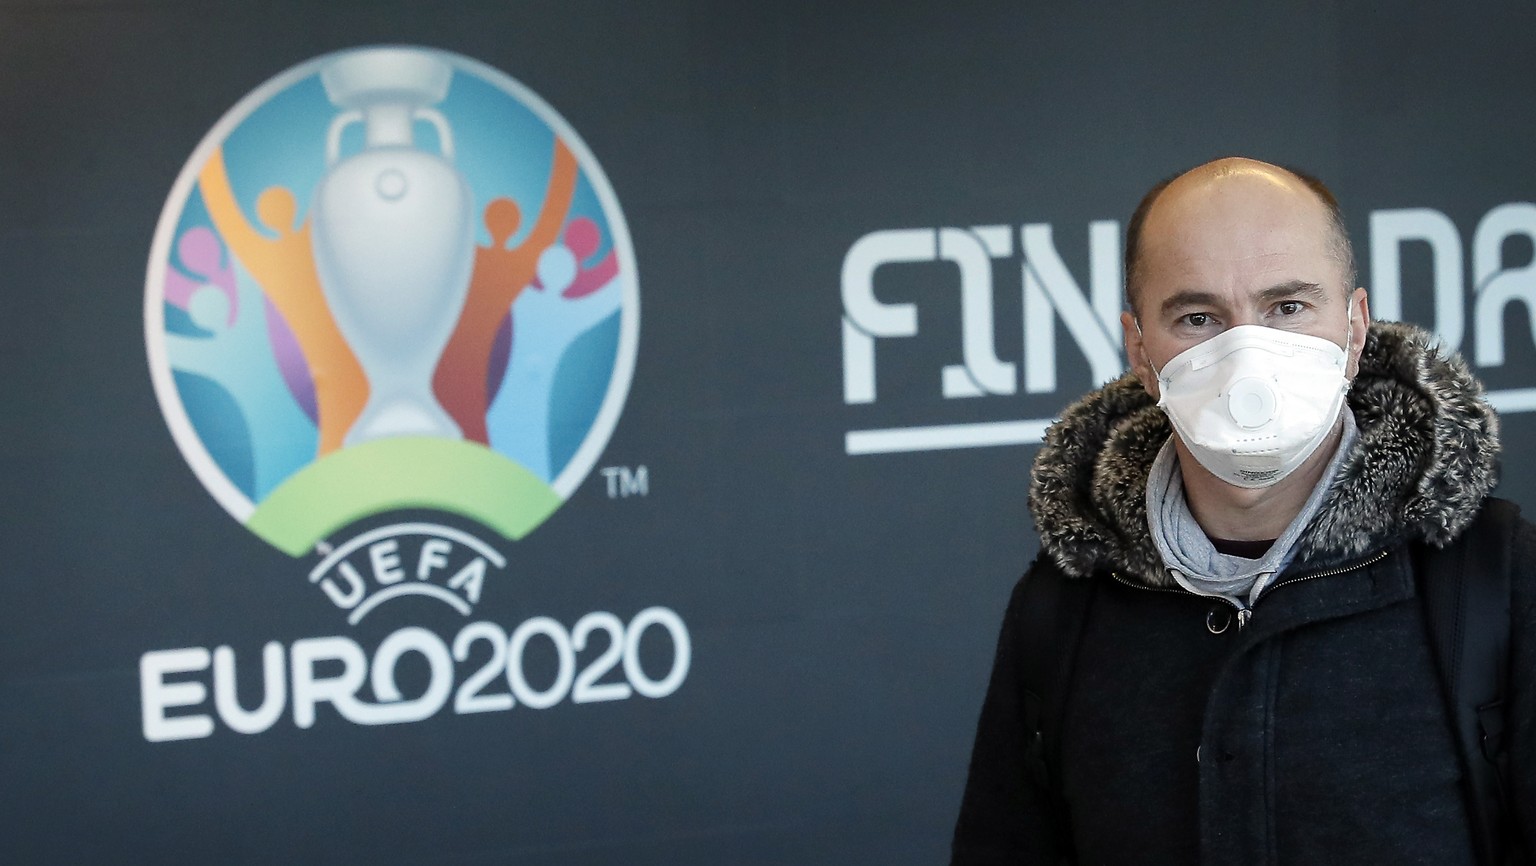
(1136, 354)
(1359, 327)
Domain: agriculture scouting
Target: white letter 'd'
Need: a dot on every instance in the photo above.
(1390, 229)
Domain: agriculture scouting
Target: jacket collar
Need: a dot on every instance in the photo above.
(1426, 457)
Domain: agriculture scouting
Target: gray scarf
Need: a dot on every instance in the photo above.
(1188, 554)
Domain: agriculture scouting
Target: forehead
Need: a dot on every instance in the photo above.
(1235, 235)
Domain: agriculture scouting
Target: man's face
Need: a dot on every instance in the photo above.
(1249, 248)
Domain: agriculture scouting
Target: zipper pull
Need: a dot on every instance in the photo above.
(1243, 616)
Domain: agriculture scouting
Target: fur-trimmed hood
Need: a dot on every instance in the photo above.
(1425, 459)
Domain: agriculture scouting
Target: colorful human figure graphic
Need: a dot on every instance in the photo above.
(389, 283)
(199, 253)
(290, 360)
(498, 279)
(546, 321)
(582, 238)
(238, 358)
(282, 263)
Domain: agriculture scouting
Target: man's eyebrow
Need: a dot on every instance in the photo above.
(1279, 292)
(1189, 298)
(1292, 289)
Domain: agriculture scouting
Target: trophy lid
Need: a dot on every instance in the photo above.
(369, 76)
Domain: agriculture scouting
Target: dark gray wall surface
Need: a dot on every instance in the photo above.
(842, 608)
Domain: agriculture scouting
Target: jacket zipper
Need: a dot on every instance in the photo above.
(1244, 614)
(1332, 572)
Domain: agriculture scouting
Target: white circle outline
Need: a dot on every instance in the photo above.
(236, 503)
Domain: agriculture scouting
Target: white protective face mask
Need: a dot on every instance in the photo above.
(1253, 403)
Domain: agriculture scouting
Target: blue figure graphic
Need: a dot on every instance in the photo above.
(544, 325)
(238, 357)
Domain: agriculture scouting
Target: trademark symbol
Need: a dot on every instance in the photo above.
(624, 482)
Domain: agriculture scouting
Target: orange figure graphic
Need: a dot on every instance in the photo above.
(285, 268)
(499, 276)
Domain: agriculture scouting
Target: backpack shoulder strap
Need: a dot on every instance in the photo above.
(1050, 629)
(1012, 805)
(1466, 593)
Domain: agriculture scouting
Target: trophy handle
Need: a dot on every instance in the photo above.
(333, 135)
(444, 134)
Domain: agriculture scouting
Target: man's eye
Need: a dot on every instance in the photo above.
(1289, 308)
(1198, 320)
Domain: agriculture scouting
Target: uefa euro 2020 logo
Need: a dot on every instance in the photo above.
(391, 278)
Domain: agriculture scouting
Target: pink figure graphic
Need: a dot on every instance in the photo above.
(199, 252)
(583, 238)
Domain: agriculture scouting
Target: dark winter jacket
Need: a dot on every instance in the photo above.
(1317, 733)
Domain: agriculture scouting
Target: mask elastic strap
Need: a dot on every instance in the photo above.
(1142, 337)
(1349, 338)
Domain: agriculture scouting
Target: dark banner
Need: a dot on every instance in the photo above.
(599, 433)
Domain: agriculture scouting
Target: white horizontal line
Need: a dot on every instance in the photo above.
(895, 440)
(979, 435)
(989, 433)
(1516, 400)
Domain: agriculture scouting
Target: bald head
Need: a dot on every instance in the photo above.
(1227, 188)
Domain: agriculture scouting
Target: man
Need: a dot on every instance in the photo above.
(1245, 517)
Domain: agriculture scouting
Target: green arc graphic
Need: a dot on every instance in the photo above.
(393, 474)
